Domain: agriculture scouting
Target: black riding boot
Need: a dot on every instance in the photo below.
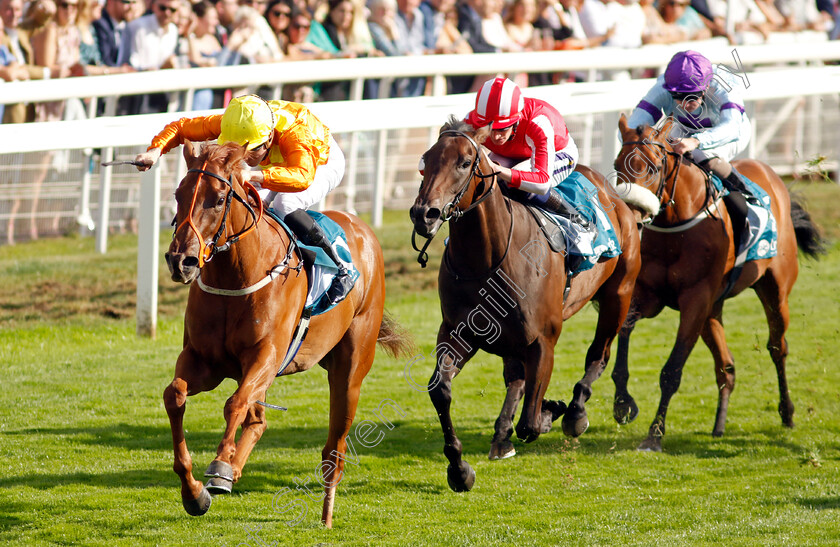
(308, 231)
(734, 182)
(736, 204)
(555, 204)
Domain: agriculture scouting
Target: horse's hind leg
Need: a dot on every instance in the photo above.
(188, 380)
(514, 374)
(715, 338)
(774, 298)
(252, 429)
(538, 368)
(347, 365)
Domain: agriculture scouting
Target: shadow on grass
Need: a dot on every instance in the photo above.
(820, 504)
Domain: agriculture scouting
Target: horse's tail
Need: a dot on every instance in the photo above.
(808, 236)
(394, 338)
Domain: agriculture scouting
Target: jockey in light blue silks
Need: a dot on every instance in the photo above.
(707, 104)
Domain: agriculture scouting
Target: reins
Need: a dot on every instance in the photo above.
(450, 210)
(208, 250)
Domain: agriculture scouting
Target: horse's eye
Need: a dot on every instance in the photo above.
(466, 163)
(221, 201)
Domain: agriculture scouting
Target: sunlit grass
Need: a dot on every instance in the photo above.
(87, 451)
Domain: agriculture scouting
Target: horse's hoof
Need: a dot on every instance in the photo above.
(650, 445)
(787, 415)
(461, 479)
(218, 468)
(625, 412)
(575, 427)
(551, 411)
(502, 451)
(198, 507)
(219, 485)
(525, 433)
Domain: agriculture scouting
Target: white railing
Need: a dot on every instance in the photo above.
(587, 61)
(801, 101)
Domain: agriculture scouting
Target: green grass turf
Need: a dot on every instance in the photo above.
(87, 457)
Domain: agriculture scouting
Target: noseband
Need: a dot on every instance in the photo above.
(208, 250)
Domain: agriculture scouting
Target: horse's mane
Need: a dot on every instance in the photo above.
(456, 124)
(221, 153)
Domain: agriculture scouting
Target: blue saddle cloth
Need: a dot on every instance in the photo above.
(762, 238)
(596, 241)
(324, 269)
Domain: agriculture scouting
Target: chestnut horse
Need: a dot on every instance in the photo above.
(502, 290)
(687, 262)
(242, 312)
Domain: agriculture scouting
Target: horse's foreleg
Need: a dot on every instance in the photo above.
(227, 468)
(194, 496)
(715, 338)
(775, 302)
(460, 475)
(695, 307)
(514, 374)
(625, 409)
(538, 367)
(612, 314)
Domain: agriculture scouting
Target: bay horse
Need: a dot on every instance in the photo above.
(246, 298)
(502, 290)
(688, 256)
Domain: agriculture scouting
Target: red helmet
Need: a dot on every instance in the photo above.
(499, 102)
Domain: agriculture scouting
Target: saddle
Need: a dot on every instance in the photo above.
(551, 231)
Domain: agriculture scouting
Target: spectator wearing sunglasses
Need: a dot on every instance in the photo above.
(279, 15)
(149, 43)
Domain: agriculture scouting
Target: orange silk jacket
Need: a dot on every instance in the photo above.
(301, 144)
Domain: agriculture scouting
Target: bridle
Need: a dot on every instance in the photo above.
(209, 249)
(451, 210)
(663, 180)
(664, 176)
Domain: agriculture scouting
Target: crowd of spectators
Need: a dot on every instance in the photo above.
(42, 39)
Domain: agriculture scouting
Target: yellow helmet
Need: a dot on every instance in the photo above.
(247, 120)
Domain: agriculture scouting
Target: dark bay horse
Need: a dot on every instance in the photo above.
(501, 290)
(687, 258)
(242, 312)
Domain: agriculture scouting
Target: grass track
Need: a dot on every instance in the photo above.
(86, 449)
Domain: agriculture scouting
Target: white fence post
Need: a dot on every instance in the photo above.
(104, 202)
(147, 252)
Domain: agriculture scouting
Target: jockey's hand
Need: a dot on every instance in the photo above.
(504, 172)
(685, 145)
(148, 159)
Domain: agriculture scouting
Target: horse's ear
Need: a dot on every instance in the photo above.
(189, 150)
(481, 134)
(665, 128)
(623, 128)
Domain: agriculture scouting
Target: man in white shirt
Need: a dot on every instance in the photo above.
(149, 43)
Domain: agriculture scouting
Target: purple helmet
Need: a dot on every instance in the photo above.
(688, 72)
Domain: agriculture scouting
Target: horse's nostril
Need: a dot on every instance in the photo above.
(432, 213)
(190, 262)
